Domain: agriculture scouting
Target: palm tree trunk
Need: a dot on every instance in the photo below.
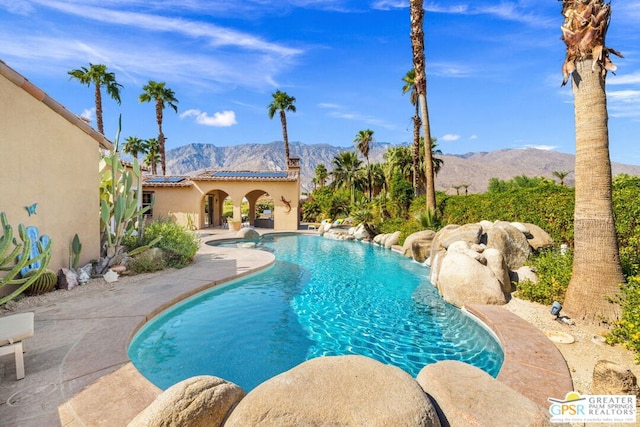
(417, 44)
(163, 160)
(597, 272)
(99, 109)
(285, 137)
(416, 151)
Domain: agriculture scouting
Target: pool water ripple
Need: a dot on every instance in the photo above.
(321, 298)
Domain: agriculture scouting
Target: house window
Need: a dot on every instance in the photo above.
(147, 200)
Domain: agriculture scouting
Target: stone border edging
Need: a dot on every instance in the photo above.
(532, 365)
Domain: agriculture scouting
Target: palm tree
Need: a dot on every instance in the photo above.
(409, 86)
(135, 146)
(597, 273)
(378, 178)
(98, 75)
(398, 160)
(364, 140)
(347, 171)
(321, 174)
(154, 91)
(282, 103)
(153, 155)
(417, 43)
(561, 175)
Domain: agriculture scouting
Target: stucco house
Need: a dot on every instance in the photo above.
(197, 200)
(48, 162)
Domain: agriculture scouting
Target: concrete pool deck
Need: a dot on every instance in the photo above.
(78, 372)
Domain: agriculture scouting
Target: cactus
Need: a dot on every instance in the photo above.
(43, 284)
(75, 248)
(120, 211)
(15, 256)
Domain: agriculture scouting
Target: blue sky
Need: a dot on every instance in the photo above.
(493, 68)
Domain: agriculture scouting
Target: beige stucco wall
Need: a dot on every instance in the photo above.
(45, 159)
(177, 202)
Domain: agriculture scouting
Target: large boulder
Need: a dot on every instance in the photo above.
(497, 264)
(360, 232)
(247, 234)
(418, 245)
(611, 378)
(392, 240)
(337, 391)
(198, 401)
(467, 396)
(470, 233)
(538, 238)
(463, 279)
(513, 244)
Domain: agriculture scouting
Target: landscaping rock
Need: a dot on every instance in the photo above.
(247, 234)
(421, 240)
(463, 280)
(470, 233)
(511, 242)
(611, 378)
(198, 401)
(337, 391)
(524, 273)
(495, 261)
(467, 396)
(392, 239)
(67, 279)
(538, 239)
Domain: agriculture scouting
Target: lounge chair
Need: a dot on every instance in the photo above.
(13, 330)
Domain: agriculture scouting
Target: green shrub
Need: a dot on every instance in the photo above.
(554, 272)
(627, 330)
(178, 243)
(146, 262)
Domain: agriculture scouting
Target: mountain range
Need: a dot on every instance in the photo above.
(472, 169)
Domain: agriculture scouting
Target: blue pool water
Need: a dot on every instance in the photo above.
(322, 297)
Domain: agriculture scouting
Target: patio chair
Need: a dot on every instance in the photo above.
(13, 330)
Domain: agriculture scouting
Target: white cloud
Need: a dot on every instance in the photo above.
(473, 137)
(221, 119)
(450, 137)
(89, 114)
(623, 79)
(541, 147)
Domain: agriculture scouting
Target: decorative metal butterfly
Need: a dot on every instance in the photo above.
(31, 209)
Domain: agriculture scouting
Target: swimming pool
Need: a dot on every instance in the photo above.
(321, 297)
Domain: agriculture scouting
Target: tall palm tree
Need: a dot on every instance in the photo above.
(597, 272)
(153, 155)
(321, 174)
(347, 172)
(98, 75)
(417, 44)
(364, 140)
(282, 103)
(135, 146)
(561, 175)
(161, 95)
(409, 86)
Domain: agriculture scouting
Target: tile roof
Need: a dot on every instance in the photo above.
(20, 81)
(220, 175)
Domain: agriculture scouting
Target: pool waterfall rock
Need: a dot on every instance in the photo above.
(475, 263)
(337, 390)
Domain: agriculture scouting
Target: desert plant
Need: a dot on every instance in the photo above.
(44, 283)
(120, 211)
(626, 331)
(15, 256)
(75, 248)
(179, 244)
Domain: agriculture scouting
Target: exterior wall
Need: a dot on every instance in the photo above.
(45, 159)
